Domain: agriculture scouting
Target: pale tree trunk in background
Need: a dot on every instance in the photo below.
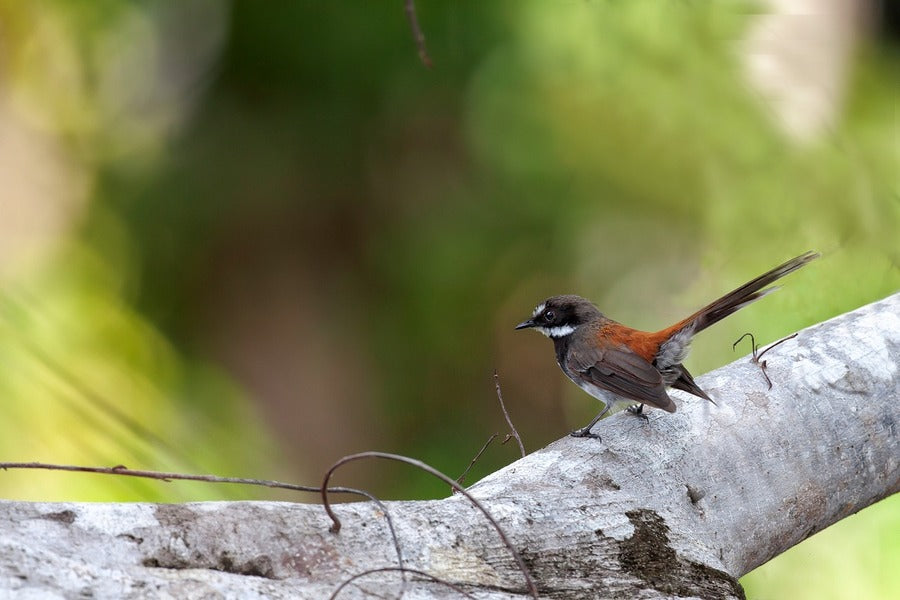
(797, 55)
(680, 506)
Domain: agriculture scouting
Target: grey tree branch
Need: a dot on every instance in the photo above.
(678, 506)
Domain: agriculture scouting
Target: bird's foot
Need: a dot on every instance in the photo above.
(585, 432)
(638, 411)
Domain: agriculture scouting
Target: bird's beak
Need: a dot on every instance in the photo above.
(526, 324)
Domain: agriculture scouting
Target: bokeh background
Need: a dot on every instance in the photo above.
(251, 237)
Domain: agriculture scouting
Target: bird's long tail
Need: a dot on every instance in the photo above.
(746, 294)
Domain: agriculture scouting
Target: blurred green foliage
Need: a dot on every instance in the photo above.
(86, 380)
(282, 189)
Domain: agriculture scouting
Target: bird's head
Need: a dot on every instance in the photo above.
(560, 316)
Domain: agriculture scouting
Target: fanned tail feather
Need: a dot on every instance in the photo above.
(746, 294)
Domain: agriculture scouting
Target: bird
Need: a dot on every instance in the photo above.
(617, 364)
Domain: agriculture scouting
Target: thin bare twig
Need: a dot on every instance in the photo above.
(506, 415)
(781, 341)
(753, 346)
(755, 358)
(336, 526)
(452, 586)
(418, 36)
(462, 477)
(163, 476)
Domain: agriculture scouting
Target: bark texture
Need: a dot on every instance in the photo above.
(676, 506)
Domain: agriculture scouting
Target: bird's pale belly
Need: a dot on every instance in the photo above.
(604, 396)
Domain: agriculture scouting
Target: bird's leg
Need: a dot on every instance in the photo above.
(585, 432)
(638, 411)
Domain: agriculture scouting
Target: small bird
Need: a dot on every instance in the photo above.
(616, 364)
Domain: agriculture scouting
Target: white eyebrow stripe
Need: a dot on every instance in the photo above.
(558, 331)
(540, 308)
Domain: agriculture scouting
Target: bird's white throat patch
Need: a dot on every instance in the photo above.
(556, 332)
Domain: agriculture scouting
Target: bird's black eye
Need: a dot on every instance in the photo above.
(548, 315)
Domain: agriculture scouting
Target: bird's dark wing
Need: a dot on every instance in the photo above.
(623, 372)
(686, 383)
